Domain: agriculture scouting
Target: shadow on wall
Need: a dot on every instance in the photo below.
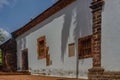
(82, 24)
(83, 20)
(65, 32)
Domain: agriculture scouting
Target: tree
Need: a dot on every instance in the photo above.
(1, 36)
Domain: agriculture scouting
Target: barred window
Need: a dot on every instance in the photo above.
(85, 47)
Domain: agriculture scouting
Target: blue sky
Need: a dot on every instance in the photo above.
(16, 13)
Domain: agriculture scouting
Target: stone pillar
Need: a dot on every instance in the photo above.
(96, 7)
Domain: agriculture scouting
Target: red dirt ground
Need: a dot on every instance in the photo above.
(31, 77)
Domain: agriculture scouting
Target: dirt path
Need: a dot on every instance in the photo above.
(30, 77)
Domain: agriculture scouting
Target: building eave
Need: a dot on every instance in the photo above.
(47, 13)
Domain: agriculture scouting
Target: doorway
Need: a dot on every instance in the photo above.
(25, 59)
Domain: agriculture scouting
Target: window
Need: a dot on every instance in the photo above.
(71, 50)
(41, 47)
(47, 57)
(85, 47)
(48, 62)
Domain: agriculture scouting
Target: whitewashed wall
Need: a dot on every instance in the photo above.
(61, 29)
(111, 35)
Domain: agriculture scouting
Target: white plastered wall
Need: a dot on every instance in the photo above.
(111, 35)
(61, 29)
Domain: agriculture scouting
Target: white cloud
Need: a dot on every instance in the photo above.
(7, 3)
(13, 3)
(4, 3)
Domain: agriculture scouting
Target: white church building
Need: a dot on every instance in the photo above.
(72, 38)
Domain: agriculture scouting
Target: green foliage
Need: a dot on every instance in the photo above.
(0, 61)
(0, 57)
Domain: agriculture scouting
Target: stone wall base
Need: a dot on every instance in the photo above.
(60, 73)
(103, 75)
